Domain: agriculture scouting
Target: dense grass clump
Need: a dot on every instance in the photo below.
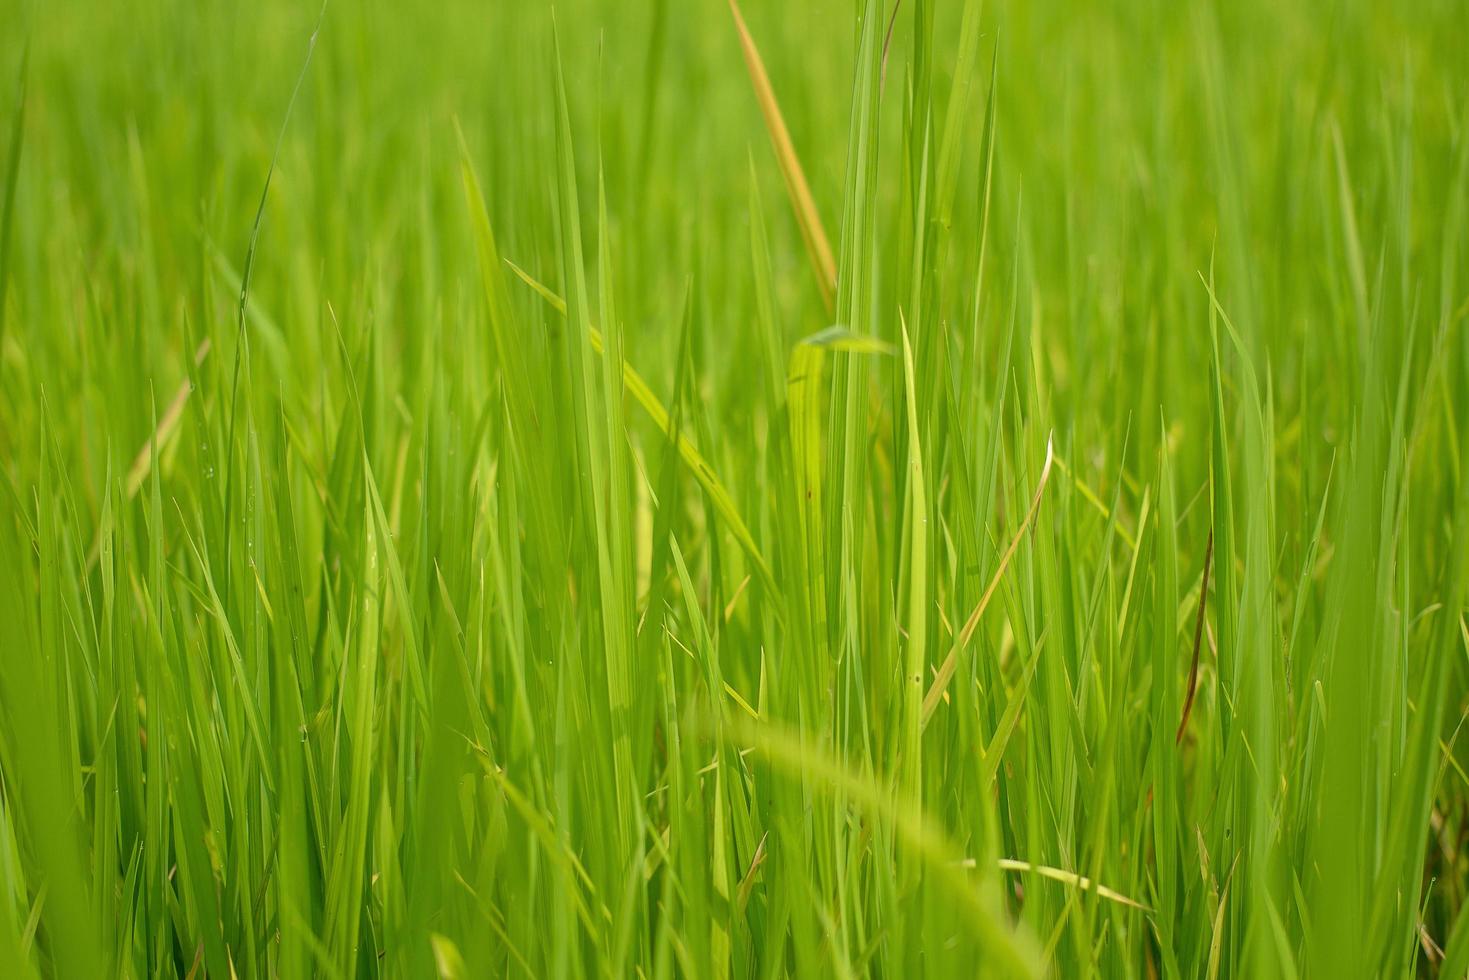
(692, 490)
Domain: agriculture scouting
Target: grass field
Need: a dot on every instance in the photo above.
(665, 489)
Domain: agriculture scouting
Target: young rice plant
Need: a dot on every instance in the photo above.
(722, 489)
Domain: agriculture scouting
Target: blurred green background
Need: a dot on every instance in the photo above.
(407, 653)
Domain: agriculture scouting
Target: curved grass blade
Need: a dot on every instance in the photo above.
(1073, 879)
(693, 459)
(951, 662)
(1014, 951)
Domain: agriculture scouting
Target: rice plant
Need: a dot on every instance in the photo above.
(729, 488)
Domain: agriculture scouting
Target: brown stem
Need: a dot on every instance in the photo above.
(1193, 671)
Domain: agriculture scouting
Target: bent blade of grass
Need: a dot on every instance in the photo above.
(1013, 950)
(688, 452)
(951, 662)
(1073, 879)
(841, 339)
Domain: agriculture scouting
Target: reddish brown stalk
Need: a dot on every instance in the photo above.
(887, 40)
(1193, 671)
